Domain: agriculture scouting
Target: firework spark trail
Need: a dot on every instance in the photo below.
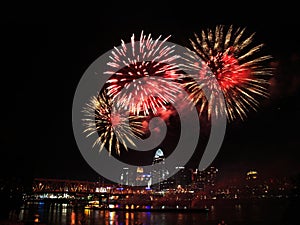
(146, 58)
(114, 128)
(241, 72)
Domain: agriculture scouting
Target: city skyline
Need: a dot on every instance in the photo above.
(45, 65)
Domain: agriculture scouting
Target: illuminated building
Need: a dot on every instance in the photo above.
(205, 178)
(159, 157)
(128, 177)
(139, 175)
(183, 176)
(251, 175)
(125, 176)
(253, 187)
(142, 178)
(159, 171)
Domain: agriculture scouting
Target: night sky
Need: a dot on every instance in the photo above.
(43, 60)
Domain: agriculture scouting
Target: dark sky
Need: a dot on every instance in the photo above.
(44, 58)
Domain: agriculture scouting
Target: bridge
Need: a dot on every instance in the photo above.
(53, 188)
(77, 192)
(44, 185)
(66, 191)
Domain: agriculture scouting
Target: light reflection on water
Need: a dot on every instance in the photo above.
(231, 213)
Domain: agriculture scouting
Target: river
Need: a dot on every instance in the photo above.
(251, 212)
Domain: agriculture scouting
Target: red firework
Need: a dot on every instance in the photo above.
(145, 71)
(241, 73)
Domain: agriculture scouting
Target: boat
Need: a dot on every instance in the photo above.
(148, 208)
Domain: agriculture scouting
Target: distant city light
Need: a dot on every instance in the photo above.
(252, 175)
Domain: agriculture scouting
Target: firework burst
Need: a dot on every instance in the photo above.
(139, 66)
(241, 72)
(113, 127)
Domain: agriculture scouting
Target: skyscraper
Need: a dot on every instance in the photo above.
(205, 178)
(183, 176)
(125, 176)
(159, 172)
